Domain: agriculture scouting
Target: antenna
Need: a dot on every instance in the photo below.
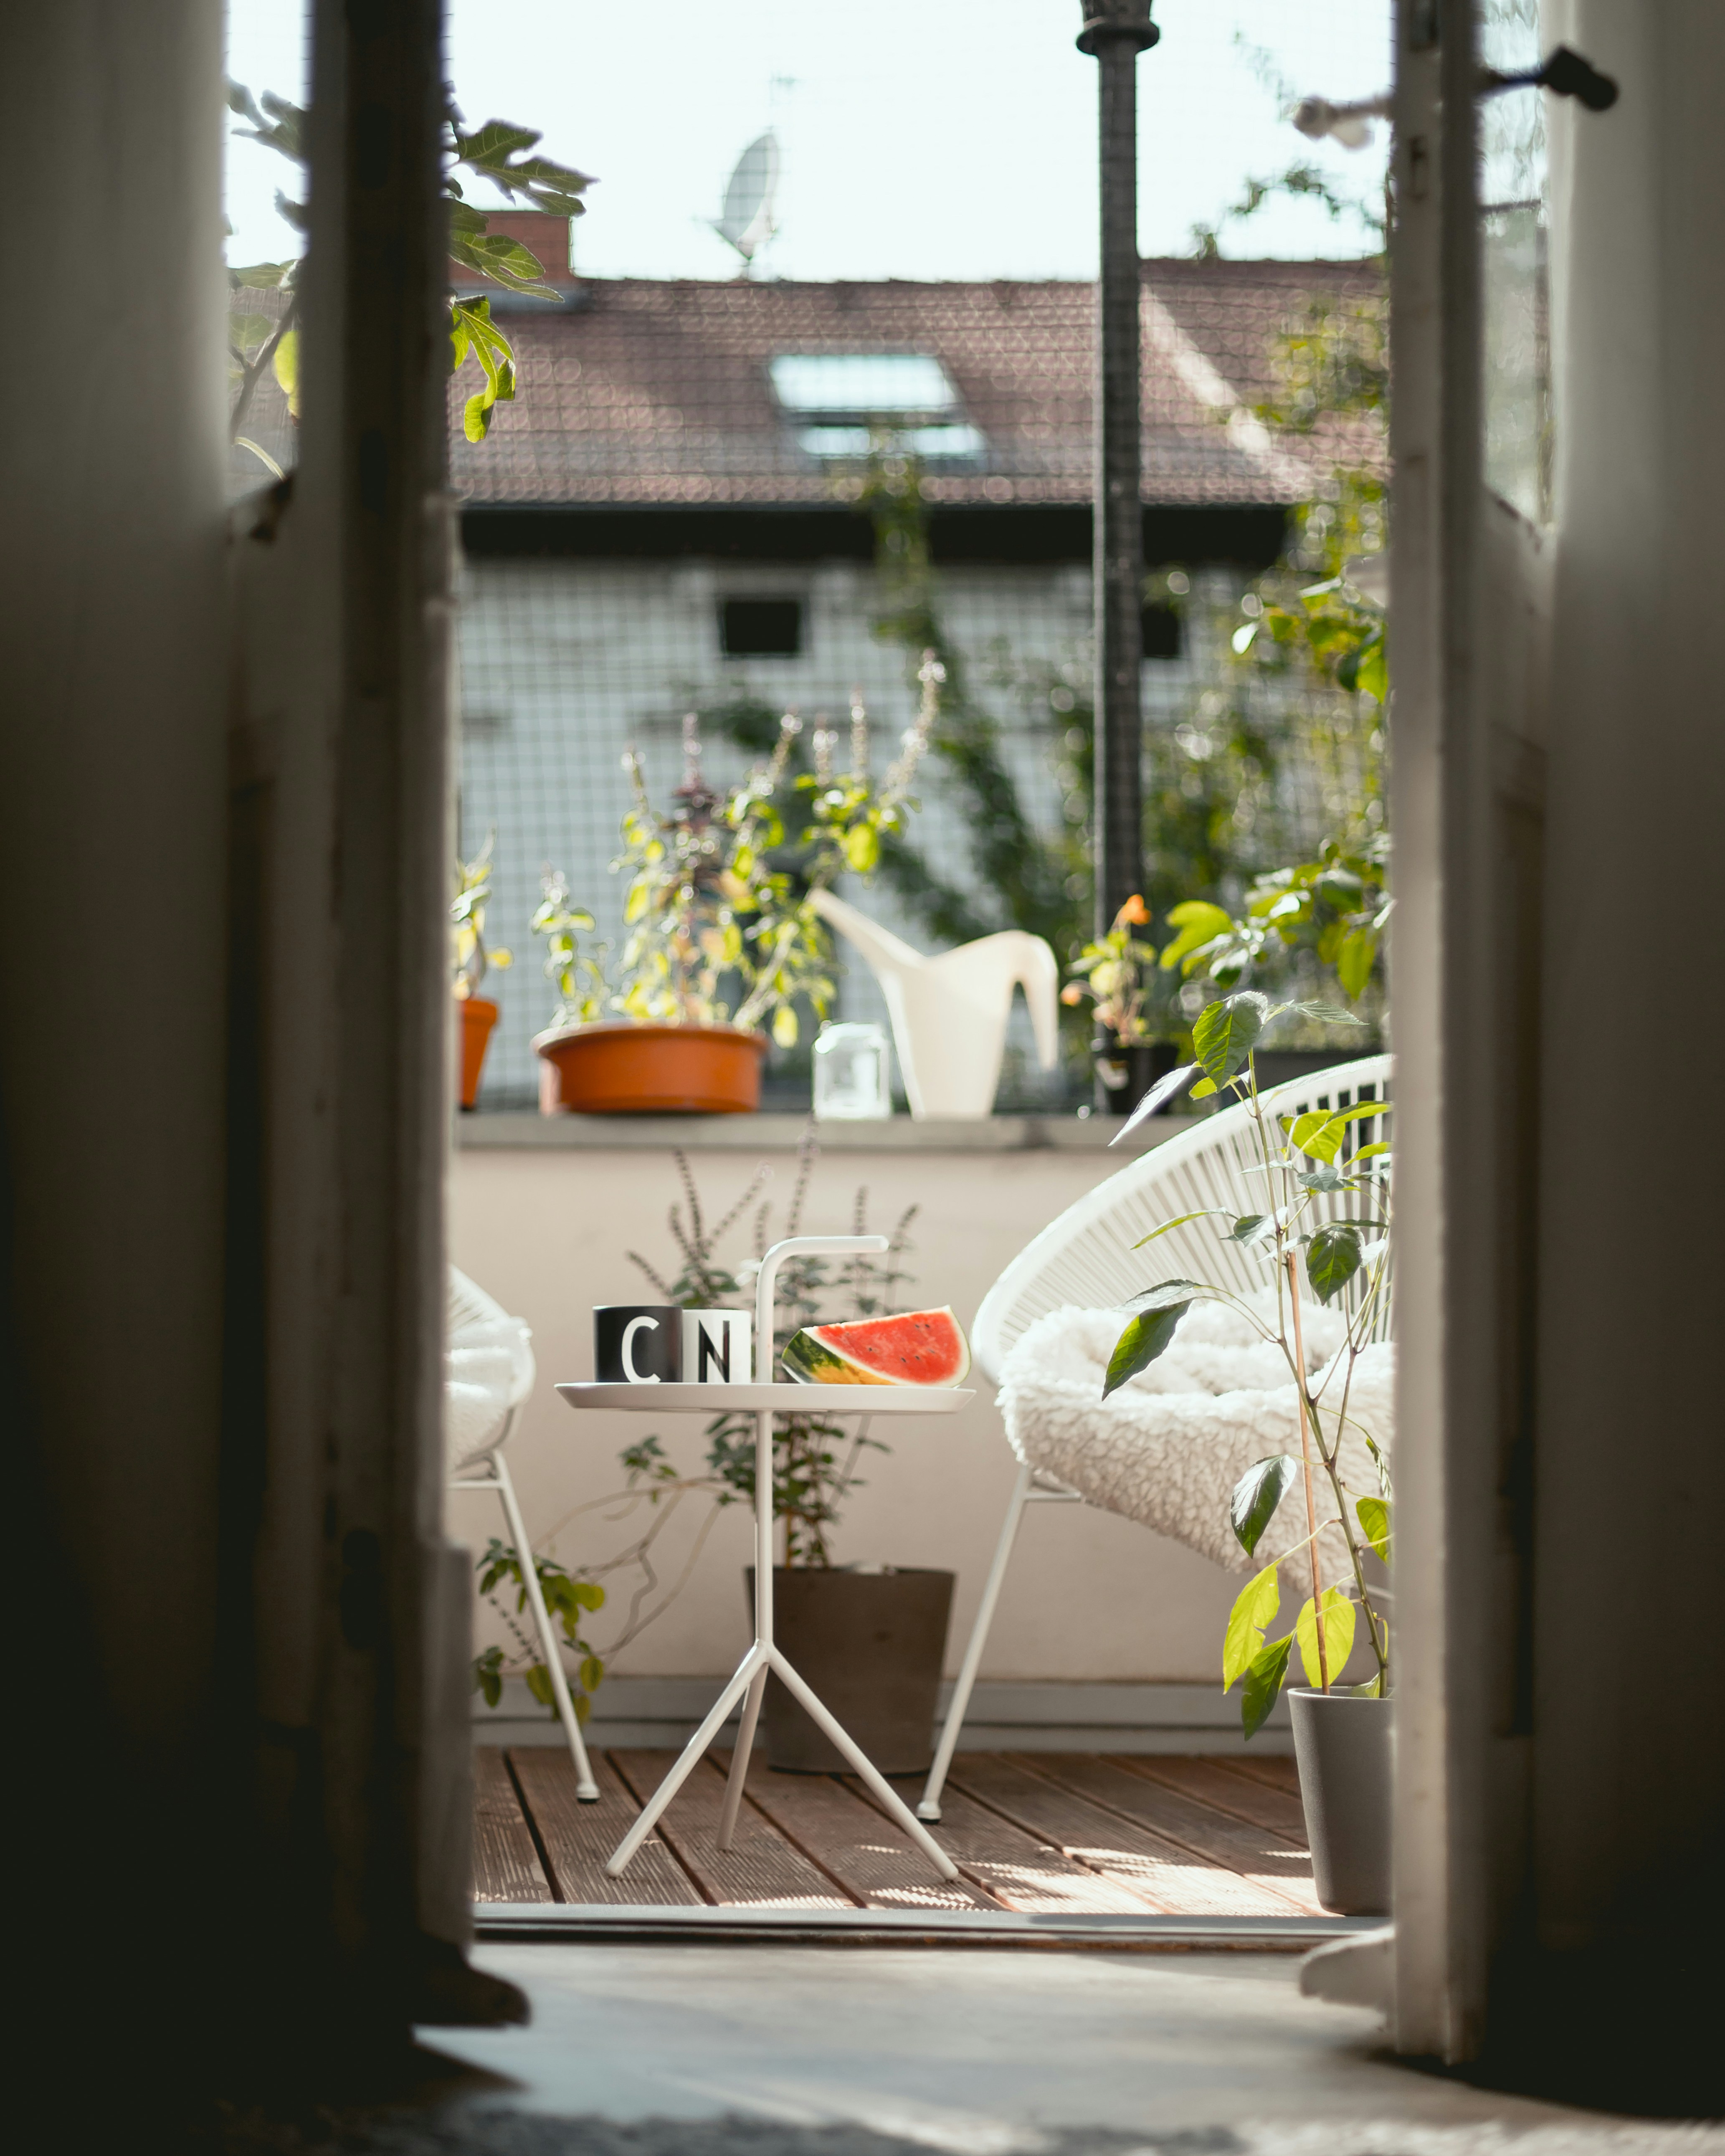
(747, 220)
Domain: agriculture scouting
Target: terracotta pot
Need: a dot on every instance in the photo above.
(479, 1015)
(621, 1069)
(871, 1644)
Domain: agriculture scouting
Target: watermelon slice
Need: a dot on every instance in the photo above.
(918, 1348)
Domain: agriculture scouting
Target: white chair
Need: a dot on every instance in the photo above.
(1086, 1258)
(490, 1377)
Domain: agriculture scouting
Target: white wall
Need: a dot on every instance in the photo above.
(1089, 1596)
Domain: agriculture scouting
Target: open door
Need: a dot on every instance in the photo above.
(1557, 474)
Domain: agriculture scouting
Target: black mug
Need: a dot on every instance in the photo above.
(638, 1343)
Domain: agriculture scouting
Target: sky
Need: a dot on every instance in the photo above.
(920, 138)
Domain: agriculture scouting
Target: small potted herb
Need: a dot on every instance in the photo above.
(1327, 1213)
(477, 1014)
(1112, 973)
(723, 943)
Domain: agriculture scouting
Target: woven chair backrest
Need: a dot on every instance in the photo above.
(1086, 1258)
(469, 1305)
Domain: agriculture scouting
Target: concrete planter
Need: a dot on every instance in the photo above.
(1342, 1745)
(871, 1644)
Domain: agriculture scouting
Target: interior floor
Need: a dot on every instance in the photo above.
(726, 2051)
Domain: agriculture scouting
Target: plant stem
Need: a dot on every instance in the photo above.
(253, 374)
(1317, 1608)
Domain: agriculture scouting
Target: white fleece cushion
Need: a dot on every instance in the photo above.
(1168, 1447)
(489, 1362)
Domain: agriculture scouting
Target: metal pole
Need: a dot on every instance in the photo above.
(1115, 33)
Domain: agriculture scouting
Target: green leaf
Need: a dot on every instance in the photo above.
(1264, 1680)
(1199, 923)
(862, 849)
(1374, 1517)
(539, 1683)
(1354, 965)
(1178, 1221)
(1370, 1152)
(588, 1594)
(1203, 1086)
(1325, 1014)
(1333, 1258)
(1256, 1495)
(1168, 1293)
(1246, 1227)
(1226, 1031)
(260, 277)
(1322, 1179)
(1255, 1608)
(1317, 1134)
(592, 1673)
(286, 366)
(1373, 674)
(1338, 1634)
(1146, 1335)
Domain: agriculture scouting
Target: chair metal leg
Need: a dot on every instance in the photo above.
(930, 1806)
(586, 1788)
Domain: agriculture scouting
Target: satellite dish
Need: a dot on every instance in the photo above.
(747, 220)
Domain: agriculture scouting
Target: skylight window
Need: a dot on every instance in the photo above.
(863, 386)
(929, 442)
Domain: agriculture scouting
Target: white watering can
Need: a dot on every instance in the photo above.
(949, 1013)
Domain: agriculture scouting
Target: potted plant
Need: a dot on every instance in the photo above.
(476, 1013)
(1127, 1058)
(722, 942)
(870, 1639)
(1327, 1213)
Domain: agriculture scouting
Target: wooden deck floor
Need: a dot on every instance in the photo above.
(1057, 1834)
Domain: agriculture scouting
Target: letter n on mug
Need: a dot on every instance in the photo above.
(716, 1347)
(637, 1344)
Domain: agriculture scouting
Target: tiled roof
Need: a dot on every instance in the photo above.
(643, 391)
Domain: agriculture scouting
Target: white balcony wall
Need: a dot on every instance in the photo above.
(547, 1230)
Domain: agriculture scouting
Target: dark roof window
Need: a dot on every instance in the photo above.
(1162, 632)
(760, 629)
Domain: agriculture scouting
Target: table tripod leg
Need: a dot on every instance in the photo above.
(897, 1809)
(746, 1669)
(739, 1760)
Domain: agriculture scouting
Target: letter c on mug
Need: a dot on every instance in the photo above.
(629, 1332)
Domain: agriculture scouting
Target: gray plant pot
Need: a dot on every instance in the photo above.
(1342, 1744)
(871, 1644)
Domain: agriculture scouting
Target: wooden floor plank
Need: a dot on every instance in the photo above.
(505, 1865)
(875, 1860)
(1271, 1864)
(1021, 1870)
(1213, 1782)
(578, 1837)
(761, 1871)
(1172, 1880)
(1269, 1767)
